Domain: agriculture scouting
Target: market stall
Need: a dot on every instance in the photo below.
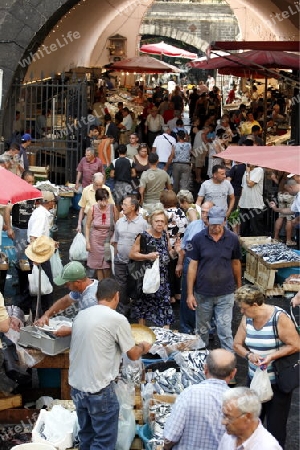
(266, 262)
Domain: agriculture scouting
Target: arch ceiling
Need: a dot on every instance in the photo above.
(95, 21)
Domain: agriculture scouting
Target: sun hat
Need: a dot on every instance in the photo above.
(41, 249)
(73, 271)
(216, 215)
(48, 196)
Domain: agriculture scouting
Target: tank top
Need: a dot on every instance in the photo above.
(262, 342)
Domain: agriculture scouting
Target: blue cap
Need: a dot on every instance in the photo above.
(216, 215)
(26, 137)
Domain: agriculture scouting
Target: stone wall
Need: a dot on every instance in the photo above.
(194, 23)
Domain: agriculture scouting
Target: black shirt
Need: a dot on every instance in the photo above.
(21, 213)
(122, 167)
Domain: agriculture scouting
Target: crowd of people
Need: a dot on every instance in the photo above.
(166, 197)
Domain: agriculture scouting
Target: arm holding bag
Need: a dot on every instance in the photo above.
(151, 280)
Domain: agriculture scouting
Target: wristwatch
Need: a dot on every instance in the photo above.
(247, 355)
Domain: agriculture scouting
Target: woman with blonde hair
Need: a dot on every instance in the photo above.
(258, 341)
(148, 246)
(186, 202)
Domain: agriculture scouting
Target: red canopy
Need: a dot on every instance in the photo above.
(14, 189)
(168, 50)
(282, 157)
(250, 61)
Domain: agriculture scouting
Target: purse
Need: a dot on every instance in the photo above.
(136, 271)
(286, 368)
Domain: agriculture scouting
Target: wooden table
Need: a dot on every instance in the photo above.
(61, 361)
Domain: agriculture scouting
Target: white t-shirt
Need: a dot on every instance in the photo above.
(39, 223)
(99, 337)
(163, 145)
(295, 207)
(252, 197)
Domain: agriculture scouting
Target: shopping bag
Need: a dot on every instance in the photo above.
(151, 280)
(261, 385)
(77, 250)
(56, 264)
(33, 278)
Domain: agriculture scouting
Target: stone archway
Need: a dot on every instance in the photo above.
(188, 38)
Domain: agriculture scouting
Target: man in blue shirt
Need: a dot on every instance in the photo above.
(214, 273)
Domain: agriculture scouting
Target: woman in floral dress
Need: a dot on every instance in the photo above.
(155, 308)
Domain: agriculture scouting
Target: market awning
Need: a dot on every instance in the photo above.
(286, 46)
(285, 158)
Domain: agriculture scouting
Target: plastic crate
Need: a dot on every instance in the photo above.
(285, 272)
(30, 337)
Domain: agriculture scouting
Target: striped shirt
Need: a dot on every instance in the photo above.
(262, 342)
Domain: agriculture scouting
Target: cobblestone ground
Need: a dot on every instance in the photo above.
(65, 234)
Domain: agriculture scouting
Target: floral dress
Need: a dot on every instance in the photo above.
(156, 307)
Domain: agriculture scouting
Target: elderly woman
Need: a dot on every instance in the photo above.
(186, 202)
(100, 224)
(88, 198)
(154, 307)
(177, 223)
(255, 340)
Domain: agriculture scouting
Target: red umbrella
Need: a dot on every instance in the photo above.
(168, 50)
(143, 64)
(14, 189)
(250, 61)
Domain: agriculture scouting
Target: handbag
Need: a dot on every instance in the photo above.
(136, 272)
(286, 368)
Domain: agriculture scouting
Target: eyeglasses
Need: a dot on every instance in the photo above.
(231, 419)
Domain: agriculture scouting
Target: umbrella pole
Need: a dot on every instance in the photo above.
(265, 111)
(38, 299)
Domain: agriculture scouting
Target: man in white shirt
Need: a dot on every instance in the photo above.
(163, 146)
(251, 202)
(241, 410)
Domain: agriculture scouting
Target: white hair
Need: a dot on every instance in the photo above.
(246, 400)
(98, 176)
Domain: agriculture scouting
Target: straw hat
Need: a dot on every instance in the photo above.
(41, 249)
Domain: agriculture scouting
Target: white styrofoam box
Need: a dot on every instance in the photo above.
(62, 444)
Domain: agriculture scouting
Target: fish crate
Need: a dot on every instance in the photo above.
(265, 281)
(250, 273)
(255, 240)
(138, 406)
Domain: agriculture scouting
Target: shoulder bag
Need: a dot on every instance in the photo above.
(286, 368)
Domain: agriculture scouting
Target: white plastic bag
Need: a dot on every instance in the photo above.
(77, 250)
(261, 385)
(33, 278)
(56, 264)
(151, 280)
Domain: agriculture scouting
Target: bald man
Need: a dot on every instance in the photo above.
(195, 421)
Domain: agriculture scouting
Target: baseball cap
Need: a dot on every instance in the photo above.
(216, 215)
(290, 175)
(26, 137)
(73, 271)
